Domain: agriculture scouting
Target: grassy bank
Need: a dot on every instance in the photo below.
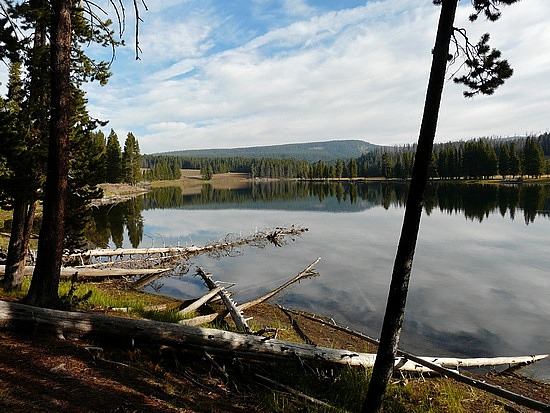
(162, 379)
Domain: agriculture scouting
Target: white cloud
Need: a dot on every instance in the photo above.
(357, 73)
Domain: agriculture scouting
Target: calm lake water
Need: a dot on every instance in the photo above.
(480, 284)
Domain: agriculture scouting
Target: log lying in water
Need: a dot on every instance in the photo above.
(84, 325)
(453, 362)
(274, 236)
(308, 272)
(435, 365)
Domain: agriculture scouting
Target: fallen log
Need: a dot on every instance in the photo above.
(297, 393)
(236, 314)
(147, 261)
(149, 278)
(439, 365)
(441, 361)
(200, 301)
(199, 320)
(296, 327)
(24, 318)
(96, 273)
(489, 388)
(275, 236)
(308, 272)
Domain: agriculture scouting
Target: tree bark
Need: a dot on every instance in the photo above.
(23, 218)
(24, 207)
(236, 314)
(44, 286)
(395, 307)
(24, 318)
(96, 274)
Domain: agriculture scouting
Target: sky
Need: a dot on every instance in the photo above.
(234, 73)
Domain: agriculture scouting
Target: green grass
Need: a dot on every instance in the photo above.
(89, 296)
(345, 389)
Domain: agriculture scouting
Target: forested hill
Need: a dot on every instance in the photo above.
(311, 152)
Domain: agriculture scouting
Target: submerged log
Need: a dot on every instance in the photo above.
(149, 278)
(308, 272)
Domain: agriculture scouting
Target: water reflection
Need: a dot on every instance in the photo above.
(475, 202)
(479, 284)
(110, 221)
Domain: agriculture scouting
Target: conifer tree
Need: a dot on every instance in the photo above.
(339, 169)
(23, 145)
(43, 291)
(100, 143)
(131, 161)
(86, 165)
(533, 158)
(486, 72)
(504, 161)
(353, 168)
(113, 159)
(69, 68)
(515, 160)
(15, 192)
(206, 171)
(387, 166)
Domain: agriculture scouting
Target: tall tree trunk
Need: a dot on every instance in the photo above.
(395, 307)
(44, 286)
(21, 227)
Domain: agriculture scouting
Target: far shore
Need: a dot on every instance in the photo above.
(191, 183)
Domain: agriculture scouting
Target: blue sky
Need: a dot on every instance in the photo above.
(223, 74)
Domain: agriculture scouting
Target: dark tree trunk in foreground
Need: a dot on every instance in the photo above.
(395, 308)
(43, 291)
(24, 204)
(21, 227)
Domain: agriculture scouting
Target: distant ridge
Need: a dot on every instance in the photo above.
(311, 151)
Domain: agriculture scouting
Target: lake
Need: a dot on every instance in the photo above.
(480, 280)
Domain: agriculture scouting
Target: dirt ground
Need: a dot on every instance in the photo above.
(46, 374)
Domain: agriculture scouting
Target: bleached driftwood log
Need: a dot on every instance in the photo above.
(441, 361)
(275, 236)
(308, 272)
(441, 365)
(97, 273)
(84, 325)
(489, 388)
(199, 320)
(149, 278)
(236, 314)
(200, 301)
